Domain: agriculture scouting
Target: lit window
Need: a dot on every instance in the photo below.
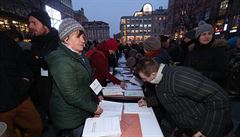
(223, 7)
(123, 21)
(14, 22)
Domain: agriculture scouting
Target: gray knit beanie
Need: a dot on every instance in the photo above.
(203, 27)
(68, 26)
(151, 44)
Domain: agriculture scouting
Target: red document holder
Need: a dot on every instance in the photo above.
(130, 125)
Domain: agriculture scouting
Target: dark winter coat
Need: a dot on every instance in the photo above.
(41, 47)
(15, 76)
(194, 102)
(233, 77)
(210, 60)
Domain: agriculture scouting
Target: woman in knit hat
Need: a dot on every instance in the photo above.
(72, 100)
(207, 57)
(99, 62)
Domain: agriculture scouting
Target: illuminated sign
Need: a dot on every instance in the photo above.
(232, 31)
(225, 27)
(55, 16)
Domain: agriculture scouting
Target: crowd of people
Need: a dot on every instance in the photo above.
(188, 84)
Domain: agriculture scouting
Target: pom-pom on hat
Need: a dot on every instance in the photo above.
(203, 27)
(68, 26)
(111, 44)
(151, 44)
(42, 16)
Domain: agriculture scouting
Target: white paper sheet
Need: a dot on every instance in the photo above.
(102, 127)
(96, 86)
(149, 125)
(44, 72)
(111, 109)
(134, 108)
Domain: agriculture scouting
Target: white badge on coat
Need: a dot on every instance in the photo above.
(44, 73)
(96, 86)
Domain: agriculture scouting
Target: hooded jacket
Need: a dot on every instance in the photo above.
(99, 62)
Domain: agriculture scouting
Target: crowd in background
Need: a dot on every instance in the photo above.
(46, 81)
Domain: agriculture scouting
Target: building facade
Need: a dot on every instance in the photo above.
(159, 22)
(96, 30)
(80, 16)
(14, 13)
(184, 15)
(143, 24)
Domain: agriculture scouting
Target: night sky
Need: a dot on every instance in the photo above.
(110, 11)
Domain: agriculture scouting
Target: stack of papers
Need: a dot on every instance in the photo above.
(122, 68)
(134, 93)
(122, 64)
(112, 91)
(127, 76)
(131, 86)
(111, 109)
(119, 76)
(102, 127)
(126, 72)
(119, 69)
